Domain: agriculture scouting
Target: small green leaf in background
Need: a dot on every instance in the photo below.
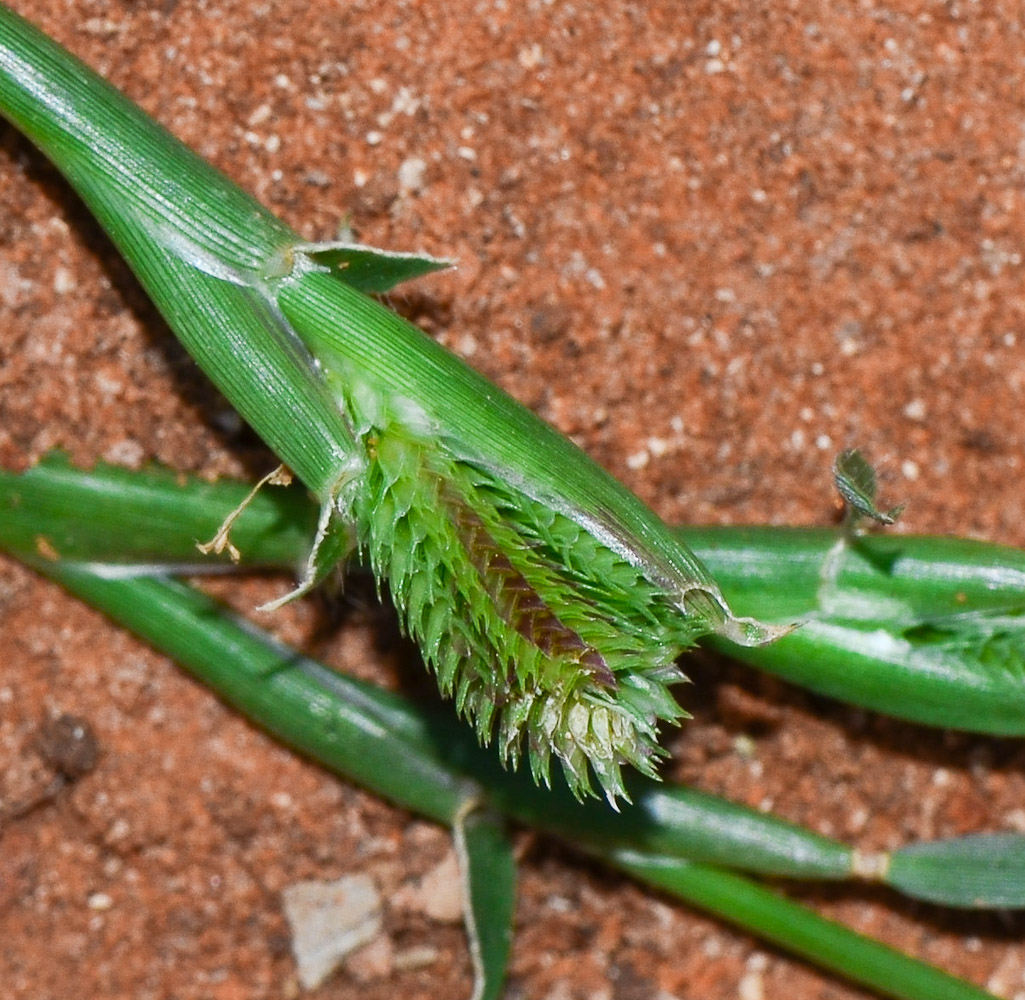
(856, 481)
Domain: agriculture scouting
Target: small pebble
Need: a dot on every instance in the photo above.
(412, 173)
(69, 745)
(328, 921)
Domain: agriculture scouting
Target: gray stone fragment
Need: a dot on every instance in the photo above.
(328, 921)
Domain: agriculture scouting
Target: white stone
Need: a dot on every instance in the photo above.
(411, 174)
(328, 921)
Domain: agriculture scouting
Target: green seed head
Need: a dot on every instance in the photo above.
(549, 642)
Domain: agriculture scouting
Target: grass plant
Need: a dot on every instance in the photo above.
(550, 603)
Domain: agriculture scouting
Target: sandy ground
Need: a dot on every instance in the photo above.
(715, 245)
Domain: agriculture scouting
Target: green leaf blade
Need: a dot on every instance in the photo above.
(981, 871)
(489, 879)
(349, 727)
(56, 511)
(101, 140)
(799, 930)
(872, 666)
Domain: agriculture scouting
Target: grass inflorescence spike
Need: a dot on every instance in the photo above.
(549, 643)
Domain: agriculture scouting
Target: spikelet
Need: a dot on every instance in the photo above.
(549, 642)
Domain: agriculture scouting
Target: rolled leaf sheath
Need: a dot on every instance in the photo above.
(196, 241)
(359, 343)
